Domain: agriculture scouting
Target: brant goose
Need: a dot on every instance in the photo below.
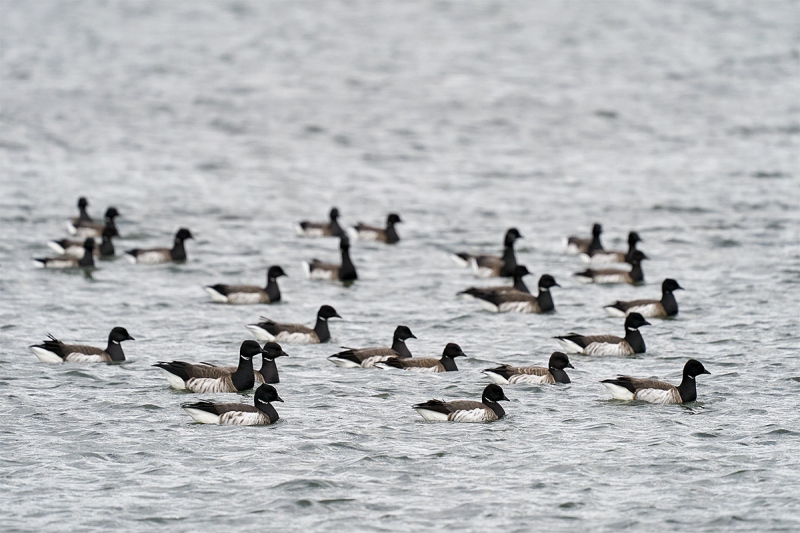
(586, 246)
(152, 256)
(553, 373)
(428, 364)
(664, 308)
(608, 344)
(518, 301)
(322, 229)
(487, 266)
(69, 261)
(268, 373)
(346, 271)
(655, 391)
(83, 216)
(371, 233)
(368, 357)
(55, 351)
(85, 229)
(261, 413)
(75, 248)
(487, 410)
(612, 275)
(613, 256)
(267, 330)
(519, 285)
(249, 294)
(206, 378)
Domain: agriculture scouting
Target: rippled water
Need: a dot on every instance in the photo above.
(237, 119)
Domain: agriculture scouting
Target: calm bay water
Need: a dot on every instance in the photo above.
(237, 119)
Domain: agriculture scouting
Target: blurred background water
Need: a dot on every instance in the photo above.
(238, 118)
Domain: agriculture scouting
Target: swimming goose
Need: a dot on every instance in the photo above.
(346, 271)
(608, 344)
(614, 256)
(553, 373)
(85, 229)
(206, 378)
(520, 302)
(267, 330)
(487, 266)
(69, 261)
(83, 215)
(268, 373)
(487, 410)
(654, 391)
(261, 413)
(152, 256)
(55, 351)
(371, 233)
(322, 229)
(368, 357)
(586, 246)
(664, 308)
(75, 248)
(612, 275)
(519, 285)
(249, 294)
(428, 364)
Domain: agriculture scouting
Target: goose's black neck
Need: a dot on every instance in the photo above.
(635, 339)
(669, 303)
(109, 223)
(494, 406)
(631, 250)
(509, 261)
(321, 329)
(391, 234)
(520, 285)
(84, 216)
(545, 301)
(178, 252)
(273, 292)
(269, 371)
(637, 275)
(448, 363)
(268, 410)
(595, 245)
(347, 272)
(114, 349)
(688, 389)
(559, 375)
(401, 349)
(336, 229)
(87, 261)
(243, 378)
(106, 247)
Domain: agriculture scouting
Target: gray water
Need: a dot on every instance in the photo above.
(236, 119)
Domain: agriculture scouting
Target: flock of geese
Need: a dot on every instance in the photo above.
(81, 252)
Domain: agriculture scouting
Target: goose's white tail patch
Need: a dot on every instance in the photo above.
(459, 260)
(260, 333)
(583, 279)
(203, 417)
(569, 346)
(71, 229)
(488, 306)
(130, 257)
(496, 378)
(57, 248)
(45, 356)
(431, 416)
(481, 272)
(38, 264)
(216, 296)
(618, 393)
(306, 268)
(613, 311)
(174, 381)
(343, 363)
